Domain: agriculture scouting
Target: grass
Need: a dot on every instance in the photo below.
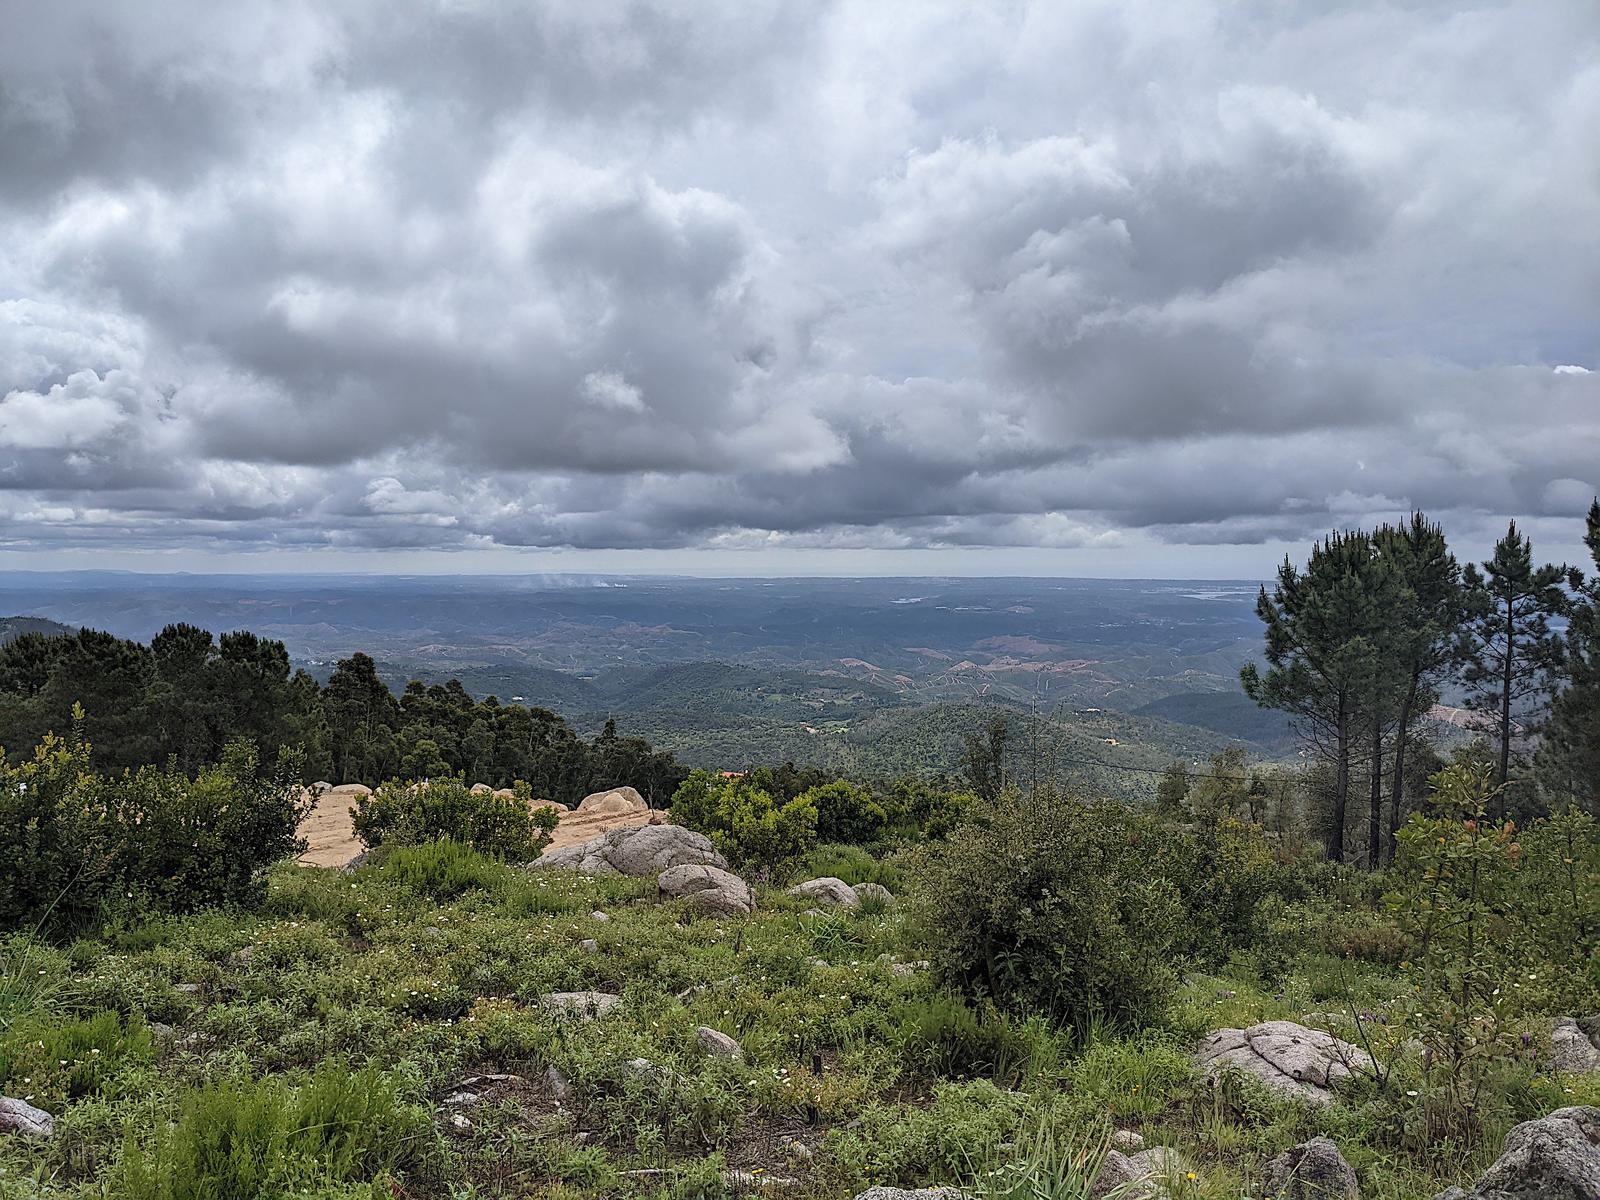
(324, 1061)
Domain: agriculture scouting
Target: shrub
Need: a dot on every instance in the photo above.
(442, 869)
(853, 865)
(67, 1060)
(1224, 871)
(78, 845)
(846, 812)
(1054, 905)
(243, 1139)
(414, 814)
(743, 821)
(941, 1035)
(920, 805)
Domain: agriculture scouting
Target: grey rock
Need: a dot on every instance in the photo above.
(1288, 1058)
(638, 850)
(1313, 1170)
(717, 1044)
(584, 1005)
(1142, 1176)
(22, 1118)
(188, 989)
(1572, 1048)
(709, 887)
(835, 893)
(241, 958)
(597, 915)
(589, 945)
(556, 1084)
(459, 1122)
(874, 891)
(462, 1099)
(1127, 1140)
(894, 1193)
(1556, 1157)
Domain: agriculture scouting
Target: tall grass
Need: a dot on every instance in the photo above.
(243, 1139)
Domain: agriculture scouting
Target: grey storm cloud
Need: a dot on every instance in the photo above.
(765, 275)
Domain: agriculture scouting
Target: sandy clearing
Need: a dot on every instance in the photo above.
(331, 839)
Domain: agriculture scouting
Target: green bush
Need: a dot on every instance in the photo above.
(242, 1139)
(846, 812)
(853, 865)
(60, 1060)
(443, 869)
(414, 814)
(942, 1035)
(77, 846)
(1055, 905)
(743, 820)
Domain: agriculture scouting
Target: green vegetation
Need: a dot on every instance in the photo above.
(411, 814)
(381, 1033)
(79, 845)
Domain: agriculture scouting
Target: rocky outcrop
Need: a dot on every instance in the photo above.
(1556, 1157)
(1313, 1170)
(875, 892)
(22, 1118)
(711, 888)
(1291, 1059)
(613, 802)
(584, 1005)
(835, 893)
(1575, 1045)
(640, 850)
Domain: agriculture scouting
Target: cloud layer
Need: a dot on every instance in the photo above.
(759, 275)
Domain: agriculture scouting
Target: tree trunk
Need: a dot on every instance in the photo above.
(1397, 785)
(1375, 793)
(1507, 670)
(1341, 788)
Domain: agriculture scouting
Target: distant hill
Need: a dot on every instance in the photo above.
(1100, 752)
(15, 627)
(1231, 714)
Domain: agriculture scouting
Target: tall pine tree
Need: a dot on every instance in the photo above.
(1422, 635)
(1322, 655)
(1511, 653)
(1568, 764)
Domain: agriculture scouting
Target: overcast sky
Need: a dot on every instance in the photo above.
(1115, 288)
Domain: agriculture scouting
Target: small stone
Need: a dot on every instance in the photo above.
(586, 1006)
(241, 958)
(758, 1181)
(874, 892)
(597, 915)
(829, 891)
(589, 945)
(462, 1099)
(556, 1084)
(1128, 1141)
(188, 989)
(717, 1044)
(459, 1123)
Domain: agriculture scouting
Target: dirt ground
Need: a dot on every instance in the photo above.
(331, 839)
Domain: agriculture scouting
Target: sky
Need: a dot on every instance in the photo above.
(754, 287)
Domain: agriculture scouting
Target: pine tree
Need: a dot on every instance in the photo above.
(1322, 654)
(1568, 764)
(1511, 653)
(1422, 635)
